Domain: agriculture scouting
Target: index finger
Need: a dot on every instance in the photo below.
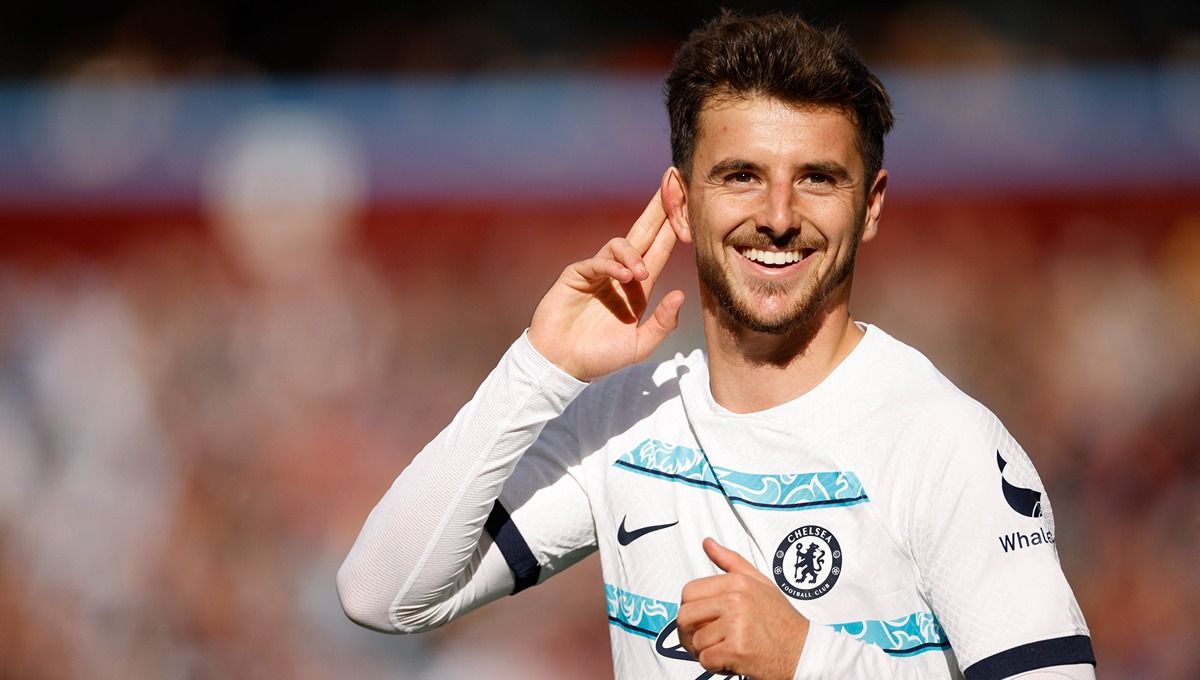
(656, 256)
(703, 588)
(642, 234)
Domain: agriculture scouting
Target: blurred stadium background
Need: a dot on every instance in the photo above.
(254, 255)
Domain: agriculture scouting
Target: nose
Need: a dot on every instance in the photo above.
(779, 219)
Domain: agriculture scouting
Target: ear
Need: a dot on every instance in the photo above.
(875, 205)
(674, 200)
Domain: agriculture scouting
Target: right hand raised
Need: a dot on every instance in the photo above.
(588, 322)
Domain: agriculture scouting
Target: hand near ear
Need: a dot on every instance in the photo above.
(589, 322)
(739, 622)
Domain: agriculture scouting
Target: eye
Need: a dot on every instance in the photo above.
(819, 183)
(739, 177)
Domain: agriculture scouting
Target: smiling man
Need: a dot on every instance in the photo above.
(809, 498)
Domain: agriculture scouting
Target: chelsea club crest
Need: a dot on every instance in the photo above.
(808, 562)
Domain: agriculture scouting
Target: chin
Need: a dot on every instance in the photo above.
(762, 307)
(745, 315)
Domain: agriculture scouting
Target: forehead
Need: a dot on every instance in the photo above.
(766, 129)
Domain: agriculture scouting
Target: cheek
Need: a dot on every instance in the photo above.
(737, 206)
(700, 221)
(837, 220)
(715, 220)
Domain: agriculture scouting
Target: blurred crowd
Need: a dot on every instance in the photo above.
(191, 438)
(196, 417)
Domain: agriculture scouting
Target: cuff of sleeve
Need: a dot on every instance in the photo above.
(812, 657)
(558, 385)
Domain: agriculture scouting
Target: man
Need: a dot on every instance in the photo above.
(810, 498)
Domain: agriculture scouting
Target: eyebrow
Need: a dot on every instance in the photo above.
(735, 165)
(831, 168)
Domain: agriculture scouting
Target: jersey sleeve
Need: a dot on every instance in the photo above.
(982, 536)
(439, 543)
(542, 522)
(828, 654)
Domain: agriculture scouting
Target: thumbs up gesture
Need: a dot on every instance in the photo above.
(738, 622)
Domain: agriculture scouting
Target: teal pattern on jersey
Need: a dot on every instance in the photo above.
(781, 491)
(638, 614)
(913, 634)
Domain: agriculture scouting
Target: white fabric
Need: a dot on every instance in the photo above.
(885, 457)
(1080, 671)
(421, 558)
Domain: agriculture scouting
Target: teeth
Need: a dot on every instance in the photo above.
(772, 257)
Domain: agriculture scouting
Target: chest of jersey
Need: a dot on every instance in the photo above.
(781, 499)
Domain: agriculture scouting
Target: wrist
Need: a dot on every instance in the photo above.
(546, 350)
(547, 362)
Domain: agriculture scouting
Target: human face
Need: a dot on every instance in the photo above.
(776, 206)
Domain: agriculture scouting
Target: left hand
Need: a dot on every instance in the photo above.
(738, 622)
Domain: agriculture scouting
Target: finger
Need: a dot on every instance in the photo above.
(730, 561)
(685, 638)
(600, 268)
(642, 234)
(648, 268)
(704, 587)
(623, 251)
(659, 253)
(661, 323)
(694, 615)
(635, 295)
(720, 658)
(706, 637)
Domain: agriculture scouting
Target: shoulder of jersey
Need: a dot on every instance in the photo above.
(908, 379)
(648, 376)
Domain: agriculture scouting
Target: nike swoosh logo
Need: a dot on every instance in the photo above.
(626, 537)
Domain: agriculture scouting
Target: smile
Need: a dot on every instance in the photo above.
(774, 258)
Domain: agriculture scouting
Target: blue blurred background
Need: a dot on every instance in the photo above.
(252, 258)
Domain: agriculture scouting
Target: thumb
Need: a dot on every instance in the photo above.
(730, 561)
(661, 323)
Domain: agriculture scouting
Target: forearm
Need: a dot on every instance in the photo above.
(413, 564)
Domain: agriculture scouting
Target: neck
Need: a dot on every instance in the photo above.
(751, 371)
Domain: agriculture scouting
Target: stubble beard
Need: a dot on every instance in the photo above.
(809, 305)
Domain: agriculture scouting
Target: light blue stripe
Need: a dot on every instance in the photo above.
(791, 491)
(638, 614)
(914, 634)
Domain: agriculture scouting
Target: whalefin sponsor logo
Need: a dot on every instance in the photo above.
(1027, 502)
(1019, 540)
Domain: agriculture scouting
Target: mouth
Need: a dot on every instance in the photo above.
(775, 259)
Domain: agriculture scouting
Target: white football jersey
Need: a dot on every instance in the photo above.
(892, 511)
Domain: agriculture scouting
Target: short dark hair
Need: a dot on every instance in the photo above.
(781, 56)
